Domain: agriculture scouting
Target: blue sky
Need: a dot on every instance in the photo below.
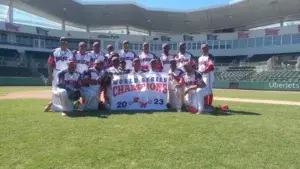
(167, 4)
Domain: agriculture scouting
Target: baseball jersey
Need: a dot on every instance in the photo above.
(128, 57)
(184, 57)
(59, 59)
(165, 62)
(203, 61)
(176, 77)
(195, 78)
(69, 78)
(83, 61)
(95, 56)
(146, 58)
(92, 74)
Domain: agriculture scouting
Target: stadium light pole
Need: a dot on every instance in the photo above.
(10, 15)
(149, 30)
(63, 21)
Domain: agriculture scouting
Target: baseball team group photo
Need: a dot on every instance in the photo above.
(149, 84)
(91, 80)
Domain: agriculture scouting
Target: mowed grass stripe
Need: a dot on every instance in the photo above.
(263, 95)
(251, 136)
(9, 89)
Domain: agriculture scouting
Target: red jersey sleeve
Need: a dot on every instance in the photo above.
(209, 67)
(51, 61)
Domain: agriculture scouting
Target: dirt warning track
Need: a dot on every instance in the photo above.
(46, 94)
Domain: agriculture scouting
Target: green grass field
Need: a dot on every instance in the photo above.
(250, 136)
(8, 89)
(264, 95)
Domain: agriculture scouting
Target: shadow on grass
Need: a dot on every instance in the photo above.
(218, 112)
(105, 114)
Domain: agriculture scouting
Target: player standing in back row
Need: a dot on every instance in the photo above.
(127, 55)
(166, 58)
(184, 56)
(146, 56)
(58, 61)
(206, 67)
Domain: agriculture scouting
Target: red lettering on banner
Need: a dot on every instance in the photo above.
(118, 90)
(143, 105)
(270, 31)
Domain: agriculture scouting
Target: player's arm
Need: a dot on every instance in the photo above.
(209, 66)
(61, 80)
(51, 65)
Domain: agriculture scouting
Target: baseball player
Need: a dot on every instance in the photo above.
(206, 67)
(165, 58)
(91, 80)
(57, 62)
(176, 86)
(194, 89)
(68, 81)
(127, 55)
(136, 66)
(96, 54)
(154, 66)
(108, 76)
(184, 56)
(122, 67)
(108, 55)
(82, 57)
(146, 56)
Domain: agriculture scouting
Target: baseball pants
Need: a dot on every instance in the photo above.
(175, 98)
(61, 101)
(90, 98)
(208, 79)
(195, 99)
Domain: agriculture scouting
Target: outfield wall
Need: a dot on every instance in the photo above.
(288, 86)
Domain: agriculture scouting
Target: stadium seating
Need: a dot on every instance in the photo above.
(15, 71)
(282, 76)
(235, 73)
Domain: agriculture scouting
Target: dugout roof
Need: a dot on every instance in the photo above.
(238, 15)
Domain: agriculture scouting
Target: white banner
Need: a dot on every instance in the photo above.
(143, 91)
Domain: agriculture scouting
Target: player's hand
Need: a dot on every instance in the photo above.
(50, 78)
(186, 91)
(177, 86)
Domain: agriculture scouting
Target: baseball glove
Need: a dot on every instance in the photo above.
(74, 95)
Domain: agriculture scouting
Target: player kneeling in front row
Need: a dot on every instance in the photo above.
(91, 80)
(175, 86)
(67, 90)
(194, 89)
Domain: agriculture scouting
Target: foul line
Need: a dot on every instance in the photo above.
(280, 102)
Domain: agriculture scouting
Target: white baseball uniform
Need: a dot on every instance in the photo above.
(176, 94)
(165, 62)
(146, 58)
(60, 98)
(208, 77)
(92, 90)
(184, 57)
(194, 98)
(128, 57)
(83, 61)
(59, 59)
(97, 56)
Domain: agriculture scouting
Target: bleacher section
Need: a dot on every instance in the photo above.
(280, 76)
(15, 72)
(235, 73)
